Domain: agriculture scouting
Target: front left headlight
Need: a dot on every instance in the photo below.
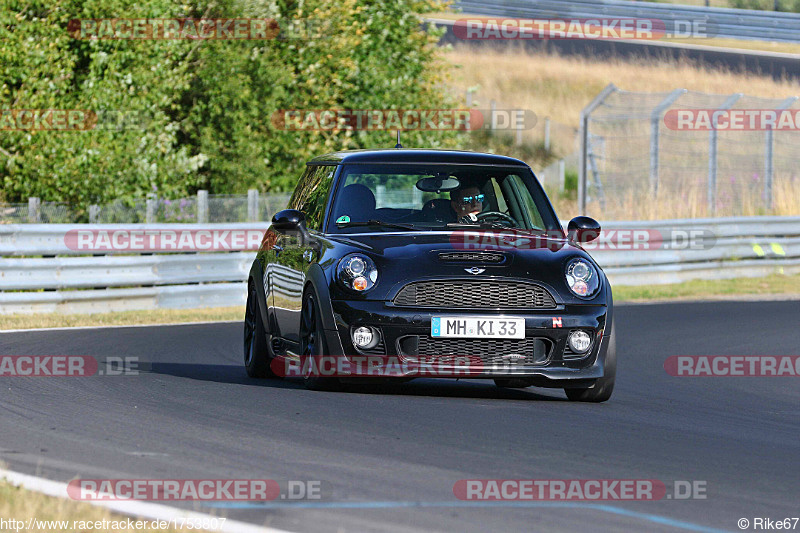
(582, 278)
(357, 272)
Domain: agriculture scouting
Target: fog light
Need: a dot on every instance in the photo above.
(362, 337)
(579, 341)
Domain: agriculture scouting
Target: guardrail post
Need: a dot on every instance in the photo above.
(584, 136)
(94, 213)
(547, 134)
(655, 133)
(34, 210)
(150, 210)
(252, 205)
(769, 157)
(562, 175)
(712, 153)
(202, 207)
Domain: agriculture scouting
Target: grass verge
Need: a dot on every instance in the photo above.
(124, 318)
(723, 289)
(57, 514)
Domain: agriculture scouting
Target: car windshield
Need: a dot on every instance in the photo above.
(420, 197)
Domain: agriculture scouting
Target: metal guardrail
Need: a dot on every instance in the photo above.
(69, 283)
(724, 22)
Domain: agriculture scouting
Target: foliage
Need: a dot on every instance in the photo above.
(208, 103)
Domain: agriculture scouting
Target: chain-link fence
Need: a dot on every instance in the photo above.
(204, 207)
(686, 154)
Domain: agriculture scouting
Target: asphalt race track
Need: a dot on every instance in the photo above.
(388, 458)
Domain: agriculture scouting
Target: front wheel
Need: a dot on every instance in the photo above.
(312, 345)
(603, 387)
(256, 349)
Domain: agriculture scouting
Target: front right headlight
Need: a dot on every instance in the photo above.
(357, 272)
(582, 278)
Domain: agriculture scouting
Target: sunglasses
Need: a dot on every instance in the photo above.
(467, 200)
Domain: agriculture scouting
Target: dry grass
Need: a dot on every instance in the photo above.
(22, 505)
(560, 87)
(126, 318)
(768, 287)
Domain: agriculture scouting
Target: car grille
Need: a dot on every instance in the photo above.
(475, 294)
(481, 257)
(535, 350)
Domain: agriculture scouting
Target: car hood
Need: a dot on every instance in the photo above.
(407, 256)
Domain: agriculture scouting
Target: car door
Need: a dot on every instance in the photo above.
(295, 254)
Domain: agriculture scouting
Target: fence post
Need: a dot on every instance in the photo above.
(469, 98)
(34, 210)
(547, 134)
(94, 213)
(584, 136)
(712, 153)
(202, 207)
(150, 210)
(252, 205)
(769, 157)
(655, 134)
(562, 175)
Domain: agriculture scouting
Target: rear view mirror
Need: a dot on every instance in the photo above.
(438, 183)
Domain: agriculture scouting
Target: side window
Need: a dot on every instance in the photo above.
(312, 193)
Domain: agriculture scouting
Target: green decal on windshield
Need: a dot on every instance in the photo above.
(344, 219)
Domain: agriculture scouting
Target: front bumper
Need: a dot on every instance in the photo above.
(556, 366)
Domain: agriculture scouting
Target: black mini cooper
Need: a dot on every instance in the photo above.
(398, 264)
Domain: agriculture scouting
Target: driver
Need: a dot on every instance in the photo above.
(467, 202)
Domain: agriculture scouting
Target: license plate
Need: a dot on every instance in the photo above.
(477, 327)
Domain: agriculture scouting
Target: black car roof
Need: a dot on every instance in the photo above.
(412, 155)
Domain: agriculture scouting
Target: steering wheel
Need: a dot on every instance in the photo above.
(497, 215)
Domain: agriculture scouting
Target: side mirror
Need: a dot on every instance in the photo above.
(289, 220)
(583, 229)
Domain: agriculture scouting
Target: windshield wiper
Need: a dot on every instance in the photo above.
(381, 223)
(479, 225)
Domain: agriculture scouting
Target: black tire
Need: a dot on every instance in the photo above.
(312, 343)
(511, 383)
(603, 387)
(257, 356)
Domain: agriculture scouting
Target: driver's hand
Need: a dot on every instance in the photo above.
(469, 218)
